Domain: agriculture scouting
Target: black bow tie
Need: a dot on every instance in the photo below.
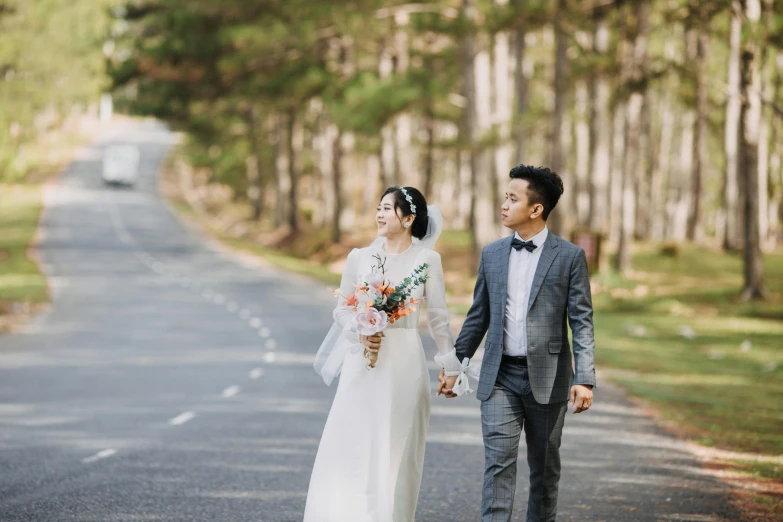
(519, 245)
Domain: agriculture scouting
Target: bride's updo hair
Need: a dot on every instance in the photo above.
(419, 227)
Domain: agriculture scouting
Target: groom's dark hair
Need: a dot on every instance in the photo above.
(543, 186)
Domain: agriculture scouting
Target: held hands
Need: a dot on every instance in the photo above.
(446, 385)
(581, 397)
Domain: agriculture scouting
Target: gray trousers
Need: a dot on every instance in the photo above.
(510, 409)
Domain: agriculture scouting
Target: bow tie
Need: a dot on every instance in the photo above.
(519, 245)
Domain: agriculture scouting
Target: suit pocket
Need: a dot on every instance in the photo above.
(555, 346)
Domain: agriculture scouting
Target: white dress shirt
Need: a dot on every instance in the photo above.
(521, 271)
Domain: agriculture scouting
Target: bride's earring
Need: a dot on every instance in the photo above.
(406, 225)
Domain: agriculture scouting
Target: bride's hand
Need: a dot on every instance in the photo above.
(372, 342)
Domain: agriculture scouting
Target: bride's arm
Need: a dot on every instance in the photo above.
(343, 315)
(438, 319)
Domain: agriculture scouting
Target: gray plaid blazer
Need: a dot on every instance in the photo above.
(560, 294)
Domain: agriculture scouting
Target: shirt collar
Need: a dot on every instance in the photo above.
(538, 239)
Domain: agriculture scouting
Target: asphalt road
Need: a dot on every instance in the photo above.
(172, 381)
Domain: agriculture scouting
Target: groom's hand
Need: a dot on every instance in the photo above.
(446, 384)
(581, 397)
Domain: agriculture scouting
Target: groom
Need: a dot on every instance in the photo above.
(528, 285)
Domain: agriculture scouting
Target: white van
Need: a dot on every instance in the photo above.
(121, 164)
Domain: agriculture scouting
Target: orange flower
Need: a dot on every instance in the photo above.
(368, 305)
(362, 289)
(414, 301)
(352, 300)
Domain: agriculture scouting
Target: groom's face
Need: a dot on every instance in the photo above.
(516, 210)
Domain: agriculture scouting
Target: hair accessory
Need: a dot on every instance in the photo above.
(409, 199)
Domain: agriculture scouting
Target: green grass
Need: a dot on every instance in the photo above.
(20, 279)
(724, 386)
(770, 470)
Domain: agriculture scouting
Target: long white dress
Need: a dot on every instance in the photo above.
(370, 459)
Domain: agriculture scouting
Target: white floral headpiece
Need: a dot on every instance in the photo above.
(409, 199)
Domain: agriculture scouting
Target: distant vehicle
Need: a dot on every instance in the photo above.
(121, 165)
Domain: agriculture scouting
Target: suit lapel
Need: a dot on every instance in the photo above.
(505, 252)
(548, 255)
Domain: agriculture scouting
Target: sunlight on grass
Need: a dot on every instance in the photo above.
(20, 279)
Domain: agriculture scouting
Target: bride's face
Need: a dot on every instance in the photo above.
(389, 221)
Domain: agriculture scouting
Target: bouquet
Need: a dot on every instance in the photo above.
(377, 303)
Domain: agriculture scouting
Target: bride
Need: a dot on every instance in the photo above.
(370, 459)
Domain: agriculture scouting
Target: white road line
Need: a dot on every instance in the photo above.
(264, 332)
(182, 418)
(270, 344)
(245, 313)
(230, 391)
(255, 322)
(100, 455)
(255, 373)
(269, 357)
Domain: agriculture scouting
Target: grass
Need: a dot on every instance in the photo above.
(20, 279)
(770, 470)
(675, 335)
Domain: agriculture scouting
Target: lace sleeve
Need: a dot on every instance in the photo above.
(342, 338)
(343, 314)
(438, 316)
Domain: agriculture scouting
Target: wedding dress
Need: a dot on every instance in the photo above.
(370, 459)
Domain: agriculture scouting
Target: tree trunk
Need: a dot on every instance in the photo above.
(280, 167)
(764, 129)
(582, 148)
(521, 83)
(600, 128)
(636, 82)
(429, 156)
(659, 185)
(337, 156)
(503, 89)
(700, 128)
(749, 150)
(557, 221)
(469, 118)
(616, 184)
(776, 161)
(293, 211)
(731, 144)
(255, 179)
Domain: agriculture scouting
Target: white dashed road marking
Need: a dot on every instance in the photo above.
(230, 391)
(182, 418)
(100, 455)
